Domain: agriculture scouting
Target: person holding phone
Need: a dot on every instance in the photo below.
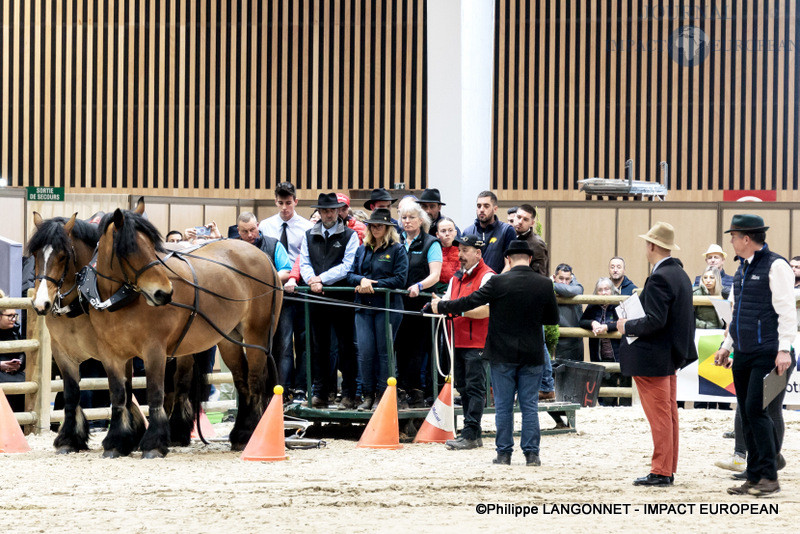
(12, 365)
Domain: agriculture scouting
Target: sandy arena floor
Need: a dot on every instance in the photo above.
(418, 488)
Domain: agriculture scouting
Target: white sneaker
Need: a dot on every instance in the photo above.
(737, 463)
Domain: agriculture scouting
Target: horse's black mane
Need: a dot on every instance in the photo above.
(125, 240)
(51, 232)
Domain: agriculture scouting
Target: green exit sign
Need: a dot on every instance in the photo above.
(52, 194)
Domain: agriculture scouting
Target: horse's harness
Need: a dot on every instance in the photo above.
(129, 290)
(77, 306)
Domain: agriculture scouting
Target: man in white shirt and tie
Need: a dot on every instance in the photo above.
(288, 227)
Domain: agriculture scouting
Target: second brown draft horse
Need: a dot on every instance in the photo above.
(225, 292)
(61, 248)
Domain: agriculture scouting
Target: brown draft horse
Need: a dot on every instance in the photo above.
(226, 290)
(61, 248)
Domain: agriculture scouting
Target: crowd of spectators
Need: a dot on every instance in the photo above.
(418, 252)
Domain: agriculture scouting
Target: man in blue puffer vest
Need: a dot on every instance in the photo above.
(761, 335)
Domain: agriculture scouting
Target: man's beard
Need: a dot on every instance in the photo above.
(616, 277)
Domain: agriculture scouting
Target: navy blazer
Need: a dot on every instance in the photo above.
(666, 333)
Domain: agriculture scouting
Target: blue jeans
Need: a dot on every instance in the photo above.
(548, 384)
(507, 379)
(373, 352)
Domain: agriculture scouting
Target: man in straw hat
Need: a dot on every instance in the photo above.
(520, 302)
(665, 343)
(715, 257)
(761, 336)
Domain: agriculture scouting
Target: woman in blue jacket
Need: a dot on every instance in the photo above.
(381, 262)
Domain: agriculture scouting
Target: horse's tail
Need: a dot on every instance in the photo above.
(198, 389)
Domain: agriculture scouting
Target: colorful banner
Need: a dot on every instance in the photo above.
(705, 382)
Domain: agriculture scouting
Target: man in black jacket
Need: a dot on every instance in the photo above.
(520, 302)
(665, 343)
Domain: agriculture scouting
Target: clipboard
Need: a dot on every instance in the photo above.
(773, 385)
(630, 308)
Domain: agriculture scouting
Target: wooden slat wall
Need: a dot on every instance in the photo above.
(219, 98)
(573, 99)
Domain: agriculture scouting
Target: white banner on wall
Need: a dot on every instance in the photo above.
(705, 382)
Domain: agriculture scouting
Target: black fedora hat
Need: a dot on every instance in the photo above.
(746, 222)
(378, 194)
(328, 201)
(431, 196)
(518, 247)
(380, 216)
(470, 241)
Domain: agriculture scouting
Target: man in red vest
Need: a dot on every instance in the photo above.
(470, 338)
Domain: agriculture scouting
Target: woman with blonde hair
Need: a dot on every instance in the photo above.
(424, 269)
(381, 262)
(710, 285)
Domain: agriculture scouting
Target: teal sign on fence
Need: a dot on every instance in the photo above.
(53, 194)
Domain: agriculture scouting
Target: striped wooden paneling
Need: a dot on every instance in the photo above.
(582, 86)
(219, 98)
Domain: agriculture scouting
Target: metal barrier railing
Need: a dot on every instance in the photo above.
(388, 327)
(40, 388)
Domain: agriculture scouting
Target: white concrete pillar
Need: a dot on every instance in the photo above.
(460, 61)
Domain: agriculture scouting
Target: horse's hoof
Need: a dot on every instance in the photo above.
(237, 447)
(155, 453)
(65, 449)
(112, 453)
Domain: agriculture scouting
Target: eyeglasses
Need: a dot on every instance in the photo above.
(10, 315)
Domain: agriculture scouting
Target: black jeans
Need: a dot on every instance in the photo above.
(775, 412)
(291, 326)
(412, 342)
(470, 376)
(758, 428)
(341, 320)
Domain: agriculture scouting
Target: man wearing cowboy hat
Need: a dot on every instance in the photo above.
(431, 201)
(761, 335)
(520, 302)
(715, 257)
(664, 344)
(326, 256)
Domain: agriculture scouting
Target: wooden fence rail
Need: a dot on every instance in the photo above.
(40, 389)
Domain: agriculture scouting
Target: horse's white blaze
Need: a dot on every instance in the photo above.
(42, 297)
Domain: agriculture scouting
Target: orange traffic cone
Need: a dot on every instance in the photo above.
(438, 426)
(383, 429)
(267, 444)
(136, 403)
(205, 426)
(11, 437)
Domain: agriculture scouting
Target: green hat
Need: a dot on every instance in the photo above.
(746, 222)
